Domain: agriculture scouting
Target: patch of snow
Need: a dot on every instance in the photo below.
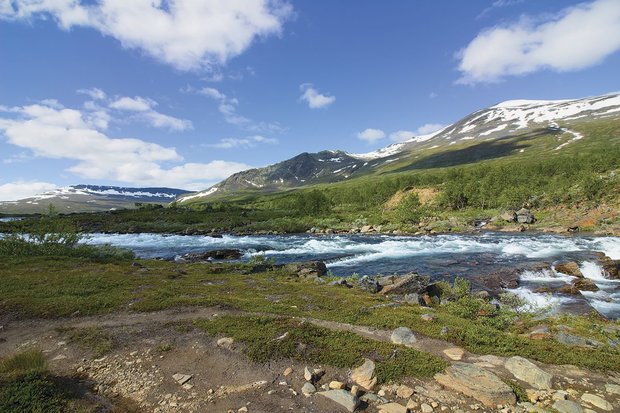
(199, 194)
(497, 129)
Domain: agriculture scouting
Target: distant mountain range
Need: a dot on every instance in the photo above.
(90, 198)
(514, 120)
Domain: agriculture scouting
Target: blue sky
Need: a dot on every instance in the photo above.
(183, 93)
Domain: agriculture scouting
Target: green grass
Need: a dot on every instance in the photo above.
(47, 287)
(96, 340)
(315, 345)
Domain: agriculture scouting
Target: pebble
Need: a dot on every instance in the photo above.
(287, 372)
(426, 408)
(308, 389)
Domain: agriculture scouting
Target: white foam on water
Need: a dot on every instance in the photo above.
(546, 275)
(539, 301)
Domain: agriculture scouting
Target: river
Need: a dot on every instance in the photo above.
(440, 256)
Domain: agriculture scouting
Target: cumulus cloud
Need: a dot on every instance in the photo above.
(94, 93)
(64, 133)
(186, 34)
(313, 98)
(577, 38)
(14, 191)
(145, 112)
(429, 128)
(401, 135)
(245, 143)
(371, 135)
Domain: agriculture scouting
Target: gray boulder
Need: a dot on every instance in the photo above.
(524, 216)
(343, 398)
(404, 336)
(526, 371)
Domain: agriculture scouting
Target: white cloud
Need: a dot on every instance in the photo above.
(401, 135)
(371, 135)
(429, 128)
(145, 112)
(94, 93)
(66, 133)
(248, 142)
(577, 38)
(228, 108)
(187, 34)
(313, 98)
(14, 191)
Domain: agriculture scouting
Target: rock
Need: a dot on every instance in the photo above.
(392, 408)
(405, 284)
(307, 374)
(59, 357)
(569, 268)
(572, 340)
(428, 317)
(242, 410)
(569, 289)
(491, 359)
(528, 372)
(369, 284)
(404, 392)
(597, 401)
(226, 343)
(367, 228)
(560, 395)
(341, 282)
(454, 353)
(539, 333)
(426, 408)
(364, 375)
(585, 284)
(508, 216)
(524, 216)
(611, 268)
(412, 298)
(182, 378)
(567, 406)
(612, 388)
(222, 254)
(497, 281)
(475, 382)
(336, 385)
(343, 398)
(308, 269)
(308, 389)
(287, 372)
(404, 336)
(355, 390)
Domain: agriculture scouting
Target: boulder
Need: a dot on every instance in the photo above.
(597, 401)
(454, 353)
(392, 408)
(404, 284)
(524, 216)
(526, 371)
(585, 284)
(367, 228)
(508, 216)
(369, 284)
(343, 398)
(364, 375)
(569, 268)
(404, 392)
(573, 340)
(478, 383)
(404, 336)
(308, 269)
(223, 254)
(611, 268)
(227, 343)
(567, 406)
(497, 281)
(308, 389)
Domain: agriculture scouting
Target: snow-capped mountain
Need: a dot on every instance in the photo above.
(510, 119)
(86, 198)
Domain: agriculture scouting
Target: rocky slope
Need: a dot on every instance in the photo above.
(515, 119)
(90, 198)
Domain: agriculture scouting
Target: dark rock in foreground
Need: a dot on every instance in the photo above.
(223, 254)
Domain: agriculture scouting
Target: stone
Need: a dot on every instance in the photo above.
(309, 269)
(612, 388)
(182, 378)
(59, 357)
(307, 374)
(404, 392)
(426, 408)
(454, 353)
(597, 401)
(585, 284)
(242, 410)
(508, 216)
(567, 406)
(524, 216)
(569, 268)
(308, 389)
(573, 340)
(342, 397)
(526, 371)
(404, 336)
(428, 317)
(560, 395)
(392, 408)
(355, 390)
(478, 383)
(611, 268)
(336, 385)
(226, 343)
(369, 284)
(404, 284)
(364, 375)
(222, 254)
(287, 372)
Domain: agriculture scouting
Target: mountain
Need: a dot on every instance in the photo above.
(90, 198)
(500, 130)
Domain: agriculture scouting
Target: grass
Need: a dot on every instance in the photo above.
(315, 345)
(47, 287)
(26, 385)
(94, 339)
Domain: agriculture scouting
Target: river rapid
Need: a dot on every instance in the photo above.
(439, 256)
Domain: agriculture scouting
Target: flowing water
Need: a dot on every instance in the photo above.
(440, 256)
